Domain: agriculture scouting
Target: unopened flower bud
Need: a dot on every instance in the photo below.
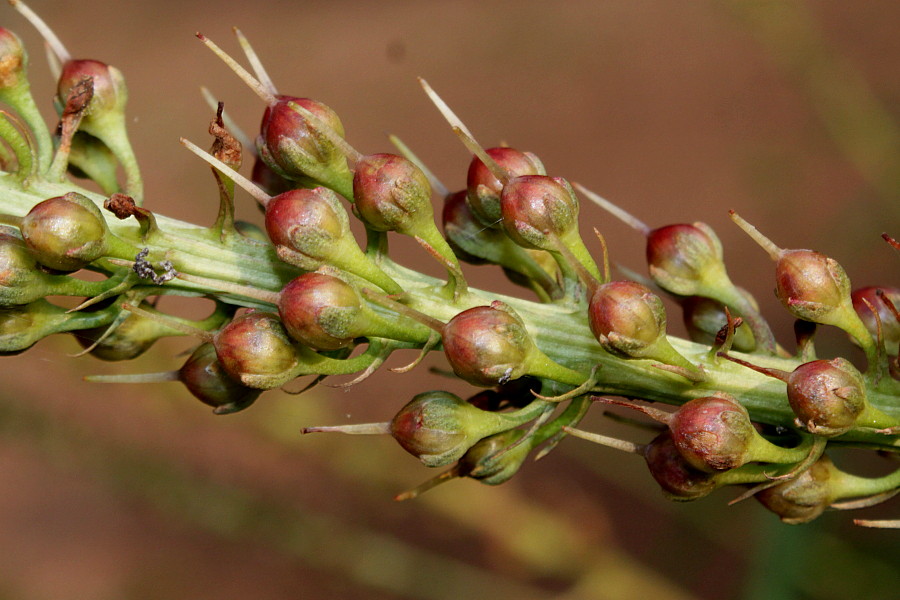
(714, 433)
(626, 317)
(392, 194)
(23, 326)
(483, 188)
(476, 244)
(13, 60)
(534, 207)
(677, 478)
(686, 259)
(310, 222)
(256, 344)
(66, 232)
(630, 320)
(704, 318)
(327, 313)
(313, 226)
(487, 346)
(298, 150)
(812, 286)
(828, 396)
(802, 499)
(439, 427)
(481, 461)
(110, 93)
(890, 326)
(205, 378)
(130, 338)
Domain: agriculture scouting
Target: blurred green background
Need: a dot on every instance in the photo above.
(677, 111)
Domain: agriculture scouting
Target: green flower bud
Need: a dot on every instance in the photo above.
(23, 326)
(439, 427)
(802, 499)
(704, 318)
(66, 232)
(481, 462)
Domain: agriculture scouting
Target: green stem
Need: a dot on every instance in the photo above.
(561, 332)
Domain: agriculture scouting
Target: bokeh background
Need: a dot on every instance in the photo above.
(677, 111)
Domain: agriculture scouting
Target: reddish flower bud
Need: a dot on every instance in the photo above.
(683, 258)
(812, 286)
(66, 232)
(677, 478)
(391, 194)
(487, 346)
(483, 189)
(890, 326)
(322, 311)
(535, 206)
(296, 149)
(828, 396)
(256, 344)
(713, 433)
(110, 93)
(205, 378)
(311, 222)
(802, 499)
(626, 317)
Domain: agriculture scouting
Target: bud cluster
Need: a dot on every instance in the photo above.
(302, 297)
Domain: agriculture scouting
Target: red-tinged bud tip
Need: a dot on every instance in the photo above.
(204, 377)
(681, 257)
(391, 193)
(534, 207)
(483, 188)
(487, 346)
(626, 317)
(66, 232)
(256, 344)
(321, 311)
(827, 395)
(802, 499)
(713, 433)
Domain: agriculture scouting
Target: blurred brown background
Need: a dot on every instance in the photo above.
(677, 111)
